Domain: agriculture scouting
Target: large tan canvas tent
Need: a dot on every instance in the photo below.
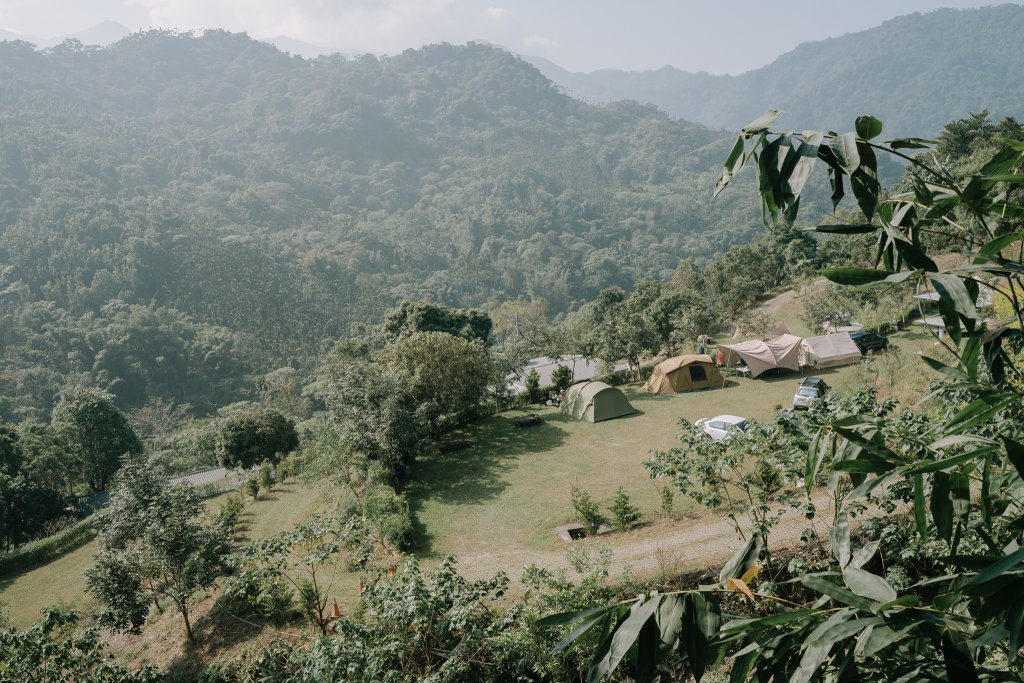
(595, 401)
(684, 373)
(761, 356)
(829, 350)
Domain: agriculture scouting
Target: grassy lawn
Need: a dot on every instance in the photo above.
(62, 581)
(509, 488)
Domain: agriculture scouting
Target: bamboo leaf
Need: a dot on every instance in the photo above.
(839, 536)
(869, 585)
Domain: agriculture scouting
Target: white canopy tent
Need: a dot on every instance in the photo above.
(829, 351)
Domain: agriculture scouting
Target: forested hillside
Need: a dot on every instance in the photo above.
(915, 72)
(177, 211)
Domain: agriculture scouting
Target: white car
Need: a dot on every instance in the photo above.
(723, 426)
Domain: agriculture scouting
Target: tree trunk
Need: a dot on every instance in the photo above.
(188, 624)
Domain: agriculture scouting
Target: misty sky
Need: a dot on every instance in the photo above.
(581, 35)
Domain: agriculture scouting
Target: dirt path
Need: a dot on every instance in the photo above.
(776, 302)
(695, 543)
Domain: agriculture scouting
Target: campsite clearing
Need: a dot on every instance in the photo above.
(508, 488)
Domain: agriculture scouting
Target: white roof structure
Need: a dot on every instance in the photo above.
(829, 350)
(582, 369)
(760, 356)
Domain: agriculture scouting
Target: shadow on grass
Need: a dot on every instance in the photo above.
(475, 473)
(227, 624)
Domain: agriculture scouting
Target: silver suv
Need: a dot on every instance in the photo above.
(809, 391)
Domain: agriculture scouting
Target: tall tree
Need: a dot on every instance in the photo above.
(154, 544)
(250, 437)
(448, 375)
(96, 432)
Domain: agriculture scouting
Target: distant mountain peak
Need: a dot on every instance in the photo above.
(915, 72)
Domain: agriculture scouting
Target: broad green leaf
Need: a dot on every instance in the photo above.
(845, 149)
(839, 536)
(732, 166)
(959, 667)
(565, 618)
(942, 506)
(996, 245)
(868, 127)
(1014, 624)
(822, 585)
(951, 288)
(868, 585)
(909, 143)
(646, 653)
(762, 123)
(864, 181)
(670, 619)
(580, 630)
(955, 373)
(864, 554)
(815, 455)
(701, 622)
(743, 558)
(978, 411)
(846, 229)
(920, 512)
(996, 569)
(853, 276)
(622, 640)
(1015, 454)
(946, 464)
(800, 164)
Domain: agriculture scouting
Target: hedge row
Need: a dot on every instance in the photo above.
(39, 552)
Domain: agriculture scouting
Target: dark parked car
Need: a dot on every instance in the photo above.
(869, 341)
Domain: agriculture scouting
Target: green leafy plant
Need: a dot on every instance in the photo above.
(588, 512)
(625, 514)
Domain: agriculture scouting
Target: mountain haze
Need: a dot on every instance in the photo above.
(915, 72)
(237, 197)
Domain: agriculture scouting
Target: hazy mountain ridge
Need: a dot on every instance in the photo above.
(280, 199)
(915, 72)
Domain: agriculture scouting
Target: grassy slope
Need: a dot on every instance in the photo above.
(62, 582)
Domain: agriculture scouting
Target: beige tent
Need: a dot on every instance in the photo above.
(684, 373)
(783, 352)
(829, 351)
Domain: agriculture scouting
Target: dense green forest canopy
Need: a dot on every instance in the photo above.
(944, 64)
(179, 211)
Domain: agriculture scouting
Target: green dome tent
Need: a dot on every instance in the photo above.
(595, 401)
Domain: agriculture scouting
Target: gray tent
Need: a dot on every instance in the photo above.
(595, 401)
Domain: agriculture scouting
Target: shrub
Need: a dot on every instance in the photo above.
(625, 514)
(561, 377)
(266, 475)
(252, 487)
(532, 382)
(388, 512)
(668, 498)
(587, 511)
